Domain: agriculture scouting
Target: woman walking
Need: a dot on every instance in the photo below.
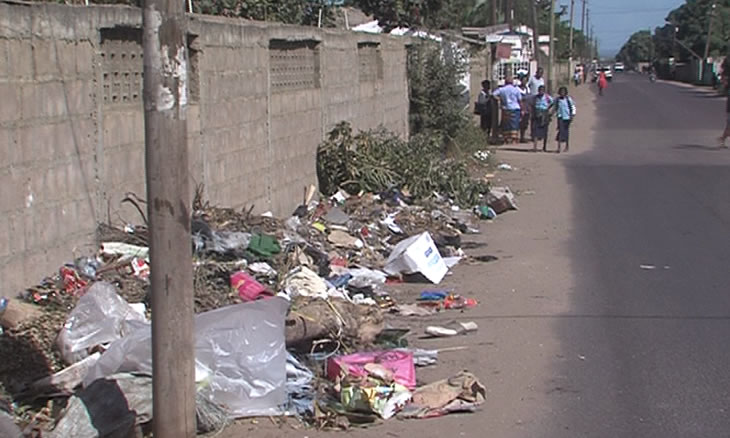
(726, 83)
(565, 110)
(540, 118)
(602, 82)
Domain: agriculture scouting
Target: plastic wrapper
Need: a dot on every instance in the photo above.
(397, 362)
(101, 316)
(239, 352)
(299, 388)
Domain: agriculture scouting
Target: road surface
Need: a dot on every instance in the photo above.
(608, 311)
(652, 248)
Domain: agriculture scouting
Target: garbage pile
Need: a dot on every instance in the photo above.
(308, 293)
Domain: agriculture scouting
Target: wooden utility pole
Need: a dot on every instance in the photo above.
(535, 29)
(572, 8)
(169, 213)
(583, 26)
(707, 43)
(551, 55)
(509, 13)
(494, 12)
(588, 29)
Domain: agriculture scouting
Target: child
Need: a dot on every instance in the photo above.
(540, 118)
(565, 111)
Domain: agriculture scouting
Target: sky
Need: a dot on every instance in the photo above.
(615, 20)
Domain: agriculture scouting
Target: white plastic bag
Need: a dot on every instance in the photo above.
(239, 352)
(101, 316)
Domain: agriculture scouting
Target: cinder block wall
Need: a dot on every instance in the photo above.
(262, 97)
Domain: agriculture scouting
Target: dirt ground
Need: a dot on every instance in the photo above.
(515, 352)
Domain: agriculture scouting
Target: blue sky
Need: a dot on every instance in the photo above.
(615, 20)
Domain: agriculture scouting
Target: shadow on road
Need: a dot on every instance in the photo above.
(700, 146)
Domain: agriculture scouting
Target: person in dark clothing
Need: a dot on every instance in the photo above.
(726, 83)
(485, 108)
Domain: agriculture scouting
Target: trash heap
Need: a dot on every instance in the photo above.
(308, 294)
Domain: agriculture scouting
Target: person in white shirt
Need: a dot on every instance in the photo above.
(536, 82)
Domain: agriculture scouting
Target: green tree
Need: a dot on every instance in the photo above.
(692, 21)
(639, 48)
(283, 11)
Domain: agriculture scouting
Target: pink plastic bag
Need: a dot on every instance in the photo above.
(400, 363)
(248, 288)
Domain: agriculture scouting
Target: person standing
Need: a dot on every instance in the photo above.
(540, 118)
(510, 98)
(485, 107)
(533, 85)
(535, 82)
(526, 106)
(602, 82)
(726, 83)
(565, 111)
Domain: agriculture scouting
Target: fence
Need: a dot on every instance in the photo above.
(262, 96)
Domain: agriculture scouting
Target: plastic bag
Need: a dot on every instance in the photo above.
(225, 242)
(299, 388)
(239, 352)
(101, 316)
(397, 362)
(364, 277)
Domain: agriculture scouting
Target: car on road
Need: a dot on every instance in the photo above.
(618, 67)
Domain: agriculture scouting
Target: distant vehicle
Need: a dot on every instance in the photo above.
(619, 66)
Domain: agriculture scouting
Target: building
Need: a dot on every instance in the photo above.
(513, 49)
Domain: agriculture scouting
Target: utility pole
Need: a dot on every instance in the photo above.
(570, 51)
(168, 208)
(509, 14)
(583, 28)
(535, 29)
(707, 43)
(588, 30)
(551, 57)
(494, 12)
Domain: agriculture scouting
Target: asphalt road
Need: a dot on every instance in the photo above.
(651, 255)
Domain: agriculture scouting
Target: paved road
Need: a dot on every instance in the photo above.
(654, 191)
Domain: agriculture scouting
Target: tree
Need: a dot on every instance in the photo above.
(692, 21)
(639, 48)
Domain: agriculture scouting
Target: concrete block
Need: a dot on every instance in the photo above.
(21, 66)
(4, 60)
(46, 60)
(36, 142)
(16, 228)
(80, 97)
(41, 100)
(37, 266)
(66, 57)
(84, 58)
(15, 190)
(9, 150)
(13, 275)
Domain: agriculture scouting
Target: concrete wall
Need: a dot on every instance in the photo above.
(72, 126)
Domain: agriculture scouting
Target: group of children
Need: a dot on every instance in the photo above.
(520, 107)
